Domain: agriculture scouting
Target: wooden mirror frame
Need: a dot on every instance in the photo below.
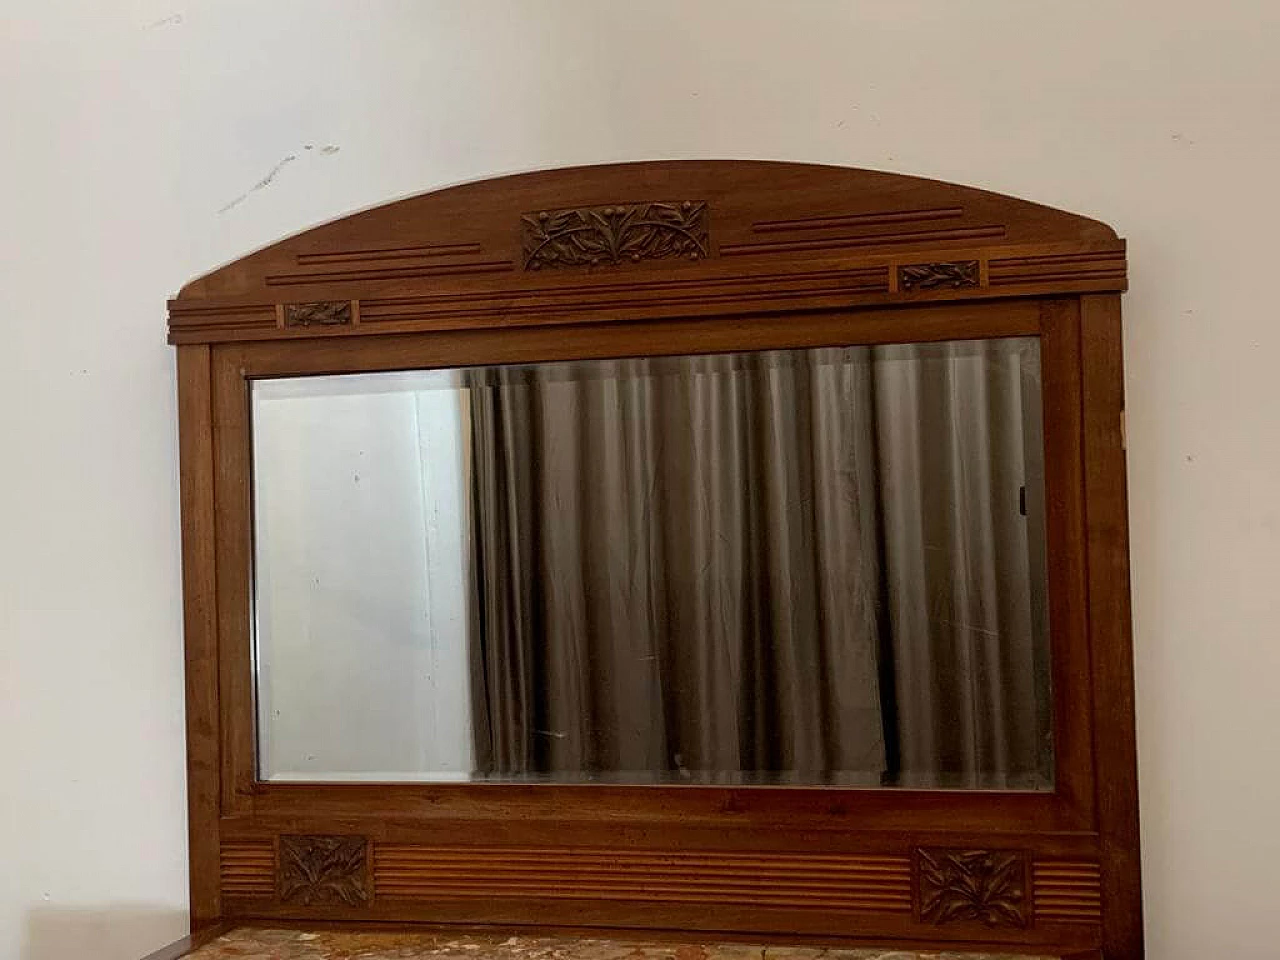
(683, 256)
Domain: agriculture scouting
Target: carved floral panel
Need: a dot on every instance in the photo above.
(327, 313)
(988, 886)
(324, 870)
(931, 276)
(624, 232)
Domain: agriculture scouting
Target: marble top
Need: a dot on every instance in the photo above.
(256, 943)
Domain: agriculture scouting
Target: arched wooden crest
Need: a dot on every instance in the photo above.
(643, 259)
(648, 240)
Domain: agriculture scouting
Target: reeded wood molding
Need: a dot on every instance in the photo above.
(987, 886)
(324, 870)
(741, 238)
(712, 292)
(247, 868)
(1067, 891)
(853, 883)
(951, 891)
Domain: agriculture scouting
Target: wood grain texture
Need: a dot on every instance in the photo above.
(837, 221)
(233, 538)
(1069, 891)
(200, 628)
(861, 240)
(516, 342)
(247, 868)
(683, 822)
(795, 256)
(203, 322)
(807, 881)
(399, 271)
(707, 238)
(1062, 267)
(619, 299)
(1065, 538)
(1110, 626)
(387, 255)
(775, 822)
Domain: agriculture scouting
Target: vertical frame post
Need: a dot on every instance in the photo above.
(200, 625)
(1110, 625)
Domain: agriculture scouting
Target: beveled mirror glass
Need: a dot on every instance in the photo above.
(820, 566)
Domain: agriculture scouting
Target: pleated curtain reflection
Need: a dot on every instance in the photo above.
(959, 437)
(725, 568)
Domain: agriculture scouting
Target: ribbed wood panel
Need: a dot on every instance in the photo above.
(454, 307)
(1067, 891)
(197, 318)
(1052, 268)
(248, 868)
(882, 884)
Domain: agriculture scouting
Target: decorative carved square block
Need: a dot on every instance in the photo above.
(327, 313)
(989, 886)
(931, 276)
(324, 870)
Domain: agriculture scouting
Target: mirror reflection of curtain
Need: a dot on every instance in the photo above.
(778, 563)
(959, 435)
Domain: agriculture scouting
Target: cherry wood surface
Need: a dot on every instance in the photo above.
(641, 260)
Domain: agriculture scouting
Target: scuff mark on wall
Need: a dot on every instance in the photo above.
(327, 151)
(261, 184)
(172, 21)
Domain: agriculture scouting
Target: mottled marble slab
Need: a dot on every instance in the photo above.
(254, 943)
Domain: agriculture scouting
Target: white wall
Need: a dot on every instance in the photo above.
(147, 141)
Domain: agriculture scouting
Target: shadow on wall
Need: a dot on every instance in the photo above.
(118, 932)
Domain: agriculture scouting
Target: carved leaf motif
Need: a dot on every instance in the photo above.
(930, 276)
(983, 885)
(326, 313)
(324, 870)
(589, 236)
